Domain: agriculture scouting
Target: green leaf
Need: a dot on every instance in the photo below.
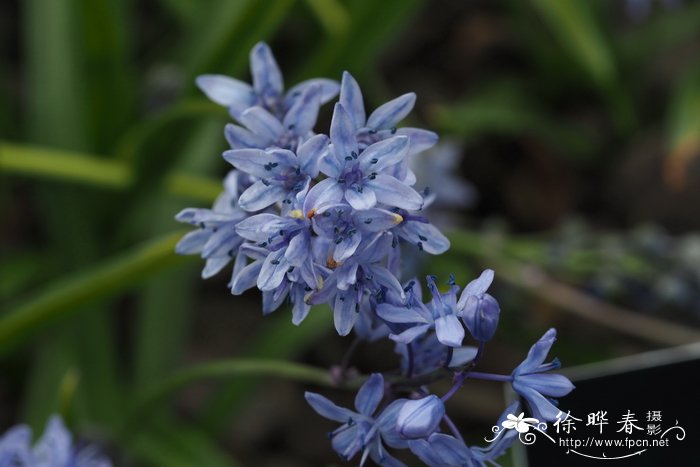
(332, 15)
(66, 296)
(61, 164)
(573, 23)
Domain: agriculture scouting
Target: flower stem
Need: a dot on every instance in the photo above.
(489, 376)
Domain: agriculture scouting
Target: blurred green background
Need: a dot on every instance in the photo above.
(577, 123)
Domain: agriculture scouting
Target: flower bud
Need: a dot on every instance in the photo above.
(481, 315)
(420, 418)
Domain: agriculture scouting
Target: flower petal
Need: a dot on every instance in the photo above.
(399, 314)
(246, 278)
(325, 191)
(351, 100)
(193, 242)
(262, 123)
(538, 352)
(329, 89)
(392, 192)
(346, 247)
(301, 118)
(267, 77)
(240, 138)
(345, 311)
(328, 409)
(449, 330)
(426, 236)
(259, 163)
(370, 395)
(226, 91)
(551, 385)
(343, 135)
(383, 154)
(388, 115)
(273, 270)
(261, 195)
(360, 198)
(376, 220)
(420, 139)
(310, 152)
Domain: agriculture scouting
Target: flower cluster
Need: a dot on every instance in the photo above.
(315, 219)
(54, 449)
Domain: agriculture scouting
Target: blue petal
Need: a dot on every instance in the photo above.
(551, 385)
(420, 139)
(383, 154)
(324, 192)
(273, 270)
(259, 163)
(376, 220)
(262, 123)
(388, 115)
(449, 330)
(301, 118)
(329, 165)
(451, 450)
(370, 394)
(386, 423)
(431, 240)
(481, 284)
(272, 299)
(193, 242)
(310, 152)
(329, 89)
(55, 444)
(328, 409)
(342, 135)
(346, 275)
(346, 248)
(300, 309)
(410, 334)
(542, 408)
(538, 352)
(267, 77)
(214, 265)
(360, 200)
(420, 418)
(246, 278)
(298, 249)
(344, 311)
(259, 196)
(261, 226)
(427, 453)
(399, 314)
(351, 100)
(227, 91)
(392, 192)
(240, 138)
(15, 446)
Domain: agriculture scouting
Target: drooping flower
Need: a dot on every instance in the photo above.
(537, 387)
(361, 430)
(55, 448)
(267, 90)
(216, 239)
(419, 418)
(479, 310)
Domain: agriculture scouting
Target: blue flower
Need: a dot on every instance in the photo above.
(216, 239)
(54, 449)
(498, 447)
(441, 450)
(363, 177)
(536, 387)
(280, 174)
(420, 418)
(418, 230)
(479, 310)
(361, 431)
(426, 354)
(349, 282)
(381, 124)
(267, 90)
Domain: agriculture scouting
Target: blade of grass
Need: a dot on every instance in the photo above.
(65, 297)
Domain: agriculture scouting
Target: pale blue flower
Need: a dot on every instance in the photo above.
(55, 448)
(479, 310)
(441, 450)
(419, 418)
(267, 90)
(361, 430)
(537, 387)
(216, 239)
